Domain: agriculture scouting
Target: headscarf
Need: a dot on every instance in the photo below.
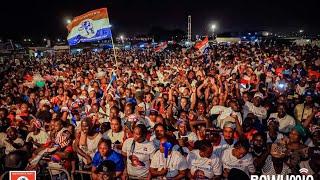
(278, 150)
(36, 123)
(301, 130)
(64, 139)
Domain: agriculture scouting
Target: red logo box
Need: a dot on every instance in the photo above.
(22, 175)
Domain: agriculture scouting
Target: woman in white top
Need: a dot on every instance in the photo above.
(37, 136)
(139, 152)
(203, 164)
(273, 134)
(167, 163)
(115, 134)
(86, 142)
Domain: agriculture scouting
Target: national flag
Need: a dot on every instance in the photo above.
(113, 78)
(202, 45)
(91, 26)
(244, 82)
(162, 46)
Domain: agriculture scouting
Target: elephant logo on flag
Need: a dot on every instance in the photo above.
(86, 28)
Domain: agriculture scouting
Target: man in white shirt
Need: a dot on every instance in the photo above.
(139, 152)
(226, 139)
(226, 112)
(11, 141)
(286, 122)
(203, 164)
(238, 157)
(255, 107)
(167, 162)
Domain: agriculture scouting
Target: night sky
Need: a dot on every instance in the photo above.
(46, 18)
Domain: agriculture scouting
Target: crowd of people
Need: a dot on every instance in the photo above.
(231, 112)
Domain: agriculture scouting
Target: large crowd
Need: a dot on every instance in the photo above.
(236, 110)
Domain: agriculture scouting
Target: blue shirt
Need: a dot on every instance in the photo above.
(112, 156)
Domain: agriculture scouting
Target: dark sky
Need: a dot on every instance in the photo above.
(45, 18)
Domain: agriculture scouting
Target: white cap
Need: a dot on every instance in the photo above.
(258, 94)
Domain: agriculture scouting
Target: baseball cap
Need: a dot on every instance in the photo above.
(258, 94)
(229, 124)
(309, 92)
(153, 112)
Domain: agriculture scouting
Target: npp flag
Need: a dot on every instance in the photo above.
(161, 47)
(91, 26)
(202, 45)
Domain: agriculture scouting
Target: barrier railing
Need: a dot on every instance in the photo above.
(50, 169)
(81, 173)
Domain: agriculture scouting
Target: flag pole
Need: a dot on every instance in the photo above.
(114, 51)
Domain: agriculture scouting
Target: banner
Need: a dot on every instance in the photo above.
(162, 46)
(202, 45)
(89, 27)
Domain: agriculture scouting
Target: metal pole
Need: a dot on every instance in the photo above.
(114, 51)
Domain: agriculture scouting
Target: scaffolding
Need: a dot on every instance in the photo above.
(189, 28)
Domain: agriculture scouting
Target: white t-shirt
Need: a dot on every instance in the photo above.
(286, 124)
(260, 111)
(175, 163)
(229, 161)
(141, 153)
(91, 147)
(209, 166)
(223, 145)
(114, 136)
(40, 138)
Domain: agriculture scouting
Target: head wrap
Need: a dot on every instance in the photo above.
(278, 150)
(36, 123)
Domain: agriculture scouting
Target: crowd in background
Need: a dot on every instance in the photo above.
(231, 112)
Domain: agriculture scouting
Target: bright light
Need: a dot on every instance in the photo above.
(213, 27)
(249, 34)
(44, 39)
(68, 21)
(121, 37)
(301, 31)
(58, 40)
(29, 40)
(24, 40)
